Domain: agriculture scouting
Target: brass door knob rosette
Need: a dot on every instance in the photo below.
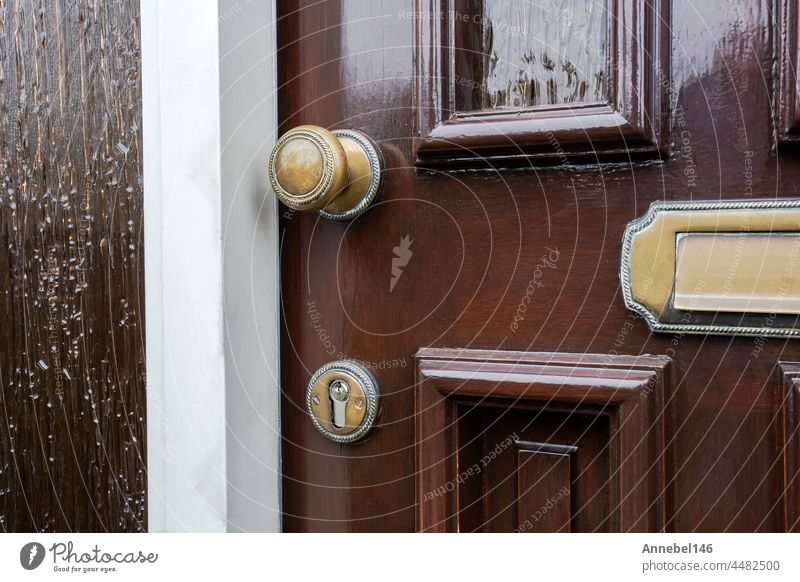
(338, 173)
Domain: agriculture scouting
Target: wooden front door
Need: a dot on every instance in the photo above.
(483, 290)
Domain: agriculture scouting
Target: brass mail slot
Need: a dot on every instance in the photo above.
(715, 267)
(752, 272)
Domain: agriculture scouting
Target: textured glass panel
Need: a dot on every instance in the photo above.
(543, 52)
(72, 370)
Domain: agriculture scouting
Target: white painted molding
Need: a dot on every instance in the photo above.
(248, 79)
(212, 397)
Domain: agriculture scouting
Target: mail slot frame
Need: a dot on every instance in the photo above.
(653, 300)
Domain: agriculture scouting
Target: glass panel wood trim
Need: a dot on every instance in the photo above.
(456, 129)
(542, 53)
(788, 90)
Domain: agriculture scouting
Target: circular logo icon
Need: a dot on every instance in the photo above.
(31, 555)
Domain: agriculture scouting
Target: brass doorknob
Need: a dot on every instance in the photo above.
(339, 173)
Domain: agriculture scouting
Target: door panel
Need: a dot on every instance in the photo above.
(604, 414)
(526, 259)
(789, 443)
(499, 84)
(72, 400)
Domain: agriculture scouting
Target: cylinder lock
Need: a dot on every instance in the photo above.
(343, 401)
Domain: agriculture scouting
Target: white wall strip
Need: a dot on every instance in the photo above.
(250, 259)
(209, 118)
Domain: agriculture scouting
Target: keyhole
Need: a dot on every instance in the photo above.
(339, 393)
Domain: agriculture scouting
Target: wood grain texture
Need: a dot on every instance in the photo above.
(628, 391)
(787, 91)
(72, 374)
(544, 481)
(480, 243)
(788, 442)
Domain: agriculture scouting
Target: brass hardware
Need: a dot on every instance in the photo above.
(343, 401)
(338, 173)
(340, 394)
(715, 267)
(743, 273)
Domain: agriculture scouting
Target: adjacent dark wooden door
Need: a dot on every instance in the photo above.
(483, 287)
(72, 375)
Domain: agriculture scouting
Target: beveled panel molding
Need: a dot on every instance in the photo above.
(789, 443)
(630, 122)
(629, 390)
(787, 95)
(715, 267)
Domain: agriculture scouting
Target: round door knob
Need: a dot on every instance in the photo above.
(339, 173)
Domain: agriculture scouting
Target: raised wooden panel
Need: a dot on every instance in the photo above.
(474, 405)
(788, 93)
(490, 438)
(789, 442)
(544, 473)
(460, 125)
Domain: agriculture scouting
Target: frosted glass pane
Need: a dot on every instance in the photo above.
(543, 52)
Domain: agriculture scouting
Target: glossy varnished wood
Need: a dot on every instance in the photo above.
(630, 122)
(72, 374)
(787, 92)
(545, 470)
(627, 390)
(788, 442)
(480, 238)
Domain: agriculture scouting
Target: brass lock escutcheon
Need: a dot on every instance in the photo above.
(343, 401)
(338, 173)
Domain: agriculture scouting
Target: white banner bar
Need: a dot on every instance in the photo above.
(397, 556)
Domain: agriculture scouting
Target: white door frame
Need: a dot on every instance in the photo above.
(211, 266)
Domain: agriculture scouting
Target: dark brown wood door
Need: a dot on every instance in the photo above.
(72, 370)
(483, 287)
